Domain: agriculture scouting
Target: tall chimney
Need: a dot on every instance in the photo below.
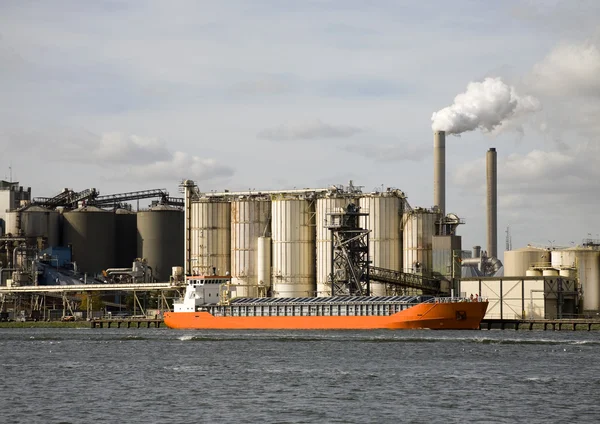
(439, 170)
(492, 206)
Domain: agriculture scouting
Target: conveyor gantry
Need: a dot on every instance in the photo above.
(404, 279)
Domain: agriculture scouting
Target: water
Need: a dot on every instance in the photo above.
(169, 376)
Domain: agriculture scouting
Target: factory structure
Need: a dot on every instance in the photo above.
(290, 243)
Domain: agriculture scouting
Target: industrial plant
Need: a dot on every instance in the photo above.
(313, 242)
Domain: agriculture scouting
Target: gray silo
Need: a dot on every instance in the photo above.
(34, 222)
(90, 231)
(125, 238)
(160, 239)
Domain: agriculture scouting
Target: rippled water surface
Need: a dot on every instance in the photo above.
(168, 376)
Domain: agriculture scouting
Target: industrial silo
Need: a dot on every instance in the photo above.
(587, 262)
(293, 246)
(210, 236)
(90, 231)
(517, 262)
(125, 238)
(160, 239)
(419, 228)
(330, 203)
(35, 222)
(250, 220)
(385, 239)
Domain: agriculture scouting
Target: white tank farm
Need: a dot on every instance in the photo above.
(419, 228)
(293, 247)
(34, 222)
(587, 263)
(210, 237)
(326, 205)
(249, 222)
(385, 238)
(517, 262)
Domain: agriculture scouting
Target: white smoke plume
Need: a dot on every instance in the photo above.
(485, 105)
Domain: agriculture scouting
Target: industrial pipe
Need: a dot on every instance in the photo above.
(439, 170)
(492, 207)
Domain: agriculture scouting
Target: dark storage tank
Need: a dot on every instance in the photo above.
(160, 239)
(90, 231)
(125, 238)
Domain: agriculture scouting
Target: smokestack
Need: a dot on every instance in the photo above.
(492, 207)
(439, 170)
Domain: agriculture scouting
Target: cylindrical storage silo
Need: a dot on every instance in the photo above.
(419, 228)
(568, 273)
(264, 261)
(550, 272)
(160, 239)
(34, 222)
(385, 239)
(517, 262)
(125, 238)
(210, 244)
(293, 248)
(533, 273)
(587, 263)
(326, 205)
(90, 231)
(249, 221)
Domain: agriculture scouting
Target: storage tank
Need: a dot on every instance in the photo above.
(293, 247)
(550, 272)
(160, 239)
(385, 239)
(34, 222)
(326, 205)
(210, 236)
(587, 262)
(419, 228)
(90, 231)
(264, 261)
(533, 273)
(250, 219)
(125, 238)
(517, 262)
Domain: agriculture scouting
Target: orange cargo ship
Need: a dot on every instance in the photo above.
(205, 305)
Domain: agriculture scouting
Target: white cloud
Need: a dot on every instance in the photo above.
(308, 130)
(569, 70)
(180, 166)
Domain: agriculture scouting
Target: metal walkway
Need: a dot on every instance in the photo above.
(404, 279)
(88, 288)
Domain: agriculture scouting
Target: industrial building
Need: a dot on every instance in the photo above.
(337, 240)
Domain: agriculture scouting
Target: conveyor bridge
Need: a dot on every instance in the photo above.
(404, 279)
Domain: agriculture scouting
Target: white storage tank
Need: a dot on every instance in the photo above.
(327, 205)
(419, 228)
(250, 219)
(35, 221)
(385, 239)
(550, 272)
(587, 262)
(517, 262)
(210, 236)
(293, 248)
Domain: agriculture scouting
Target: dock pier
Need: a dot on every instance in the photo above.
(545, 324)
(129, 322)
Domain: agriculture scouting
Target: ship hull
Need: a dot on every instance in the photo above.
(437, 316)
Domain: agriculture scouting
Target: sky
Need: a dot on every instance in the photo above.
(273, 94)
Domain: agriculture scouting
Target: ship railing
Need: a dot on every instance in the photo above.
(447, 300)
